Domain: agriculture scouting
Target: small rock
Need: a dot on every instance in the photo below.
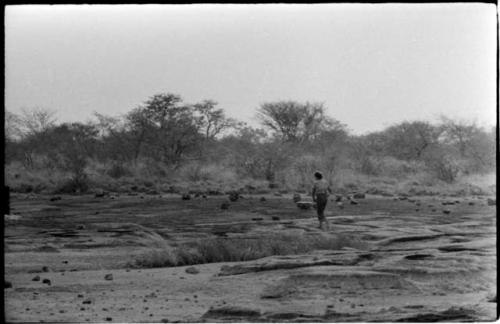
(7, 284)
(186, 197)
(65, 262)
(296, 198)
(46, 281)
(257, 218)
(338, 198)
(275, 218)
(56, 198)
(82, 308)
(204, 197)
(45, 269)
(446, 211)
(354, 202)
(340, 205)
(353, 305)
(79, 296)
(263, 199)
(109, 276)
(87, 301)
(224, 205)
(492, 202)
(109, 319)
(192, 270)
(471, 203)
(36, 278)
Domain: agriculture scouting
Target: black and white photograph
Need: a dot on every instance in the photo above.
(250, 163)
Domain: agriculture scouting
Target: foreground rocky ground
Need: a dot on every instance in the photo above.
(406, 259)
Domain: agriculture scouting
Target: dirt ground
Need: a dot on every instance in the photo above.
(412, 263)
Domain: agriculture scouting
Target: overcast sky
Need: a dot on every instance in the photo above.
(372, 65)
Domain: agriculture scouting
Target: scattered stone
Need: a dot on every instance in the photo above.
(224, 205)
(36, 278)
(46, 281)
(7, 284)
(492, 202)
(296, 198)
(109, 276)
(192, 270)
(275, 218)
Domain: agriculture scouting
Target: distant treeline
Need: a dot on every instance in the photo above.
(166, 139)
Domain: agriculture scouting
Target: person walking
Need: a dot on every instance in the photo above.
(320, 192)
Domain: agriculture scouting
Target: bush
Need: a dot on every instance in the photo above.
(243, 249)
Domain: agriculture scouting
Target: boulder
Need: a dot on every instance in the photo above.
(234, 196)
(36, 278)
(46, 281)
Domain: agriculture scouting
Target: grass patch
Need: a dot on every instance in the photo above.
(241, 249)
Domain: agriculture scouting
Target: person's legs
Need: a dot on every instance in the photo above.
(321, 201)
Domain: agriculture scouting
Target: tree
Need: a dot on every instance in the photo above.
(409, 140)
(295, 122)
(166, 126)
(37, 120)
(212, 121)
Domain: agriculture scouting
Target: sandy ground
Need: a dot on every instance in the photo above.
(412, 262)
